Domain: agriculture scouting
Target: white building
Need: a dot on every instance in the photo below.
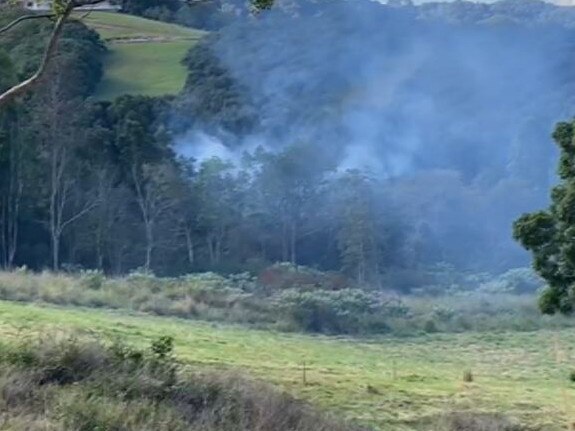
(46, 5)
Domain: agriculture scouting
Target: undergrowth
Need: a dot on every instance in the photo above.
(302, 307)
(89, 386)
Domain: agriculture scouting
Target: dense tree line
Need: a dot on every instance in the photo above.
(112, 186)
(207, 15)
(98, 185)
(442, 102)
(213, 15)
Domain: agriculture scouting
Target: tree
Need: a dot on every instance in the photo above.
(61, 132)
(358, 233)
(219, 207)
(550, 234)
(142, 150)
(289, 185)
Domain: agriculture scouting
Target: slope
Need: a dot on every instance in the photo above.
(144, 55)
(389, 383)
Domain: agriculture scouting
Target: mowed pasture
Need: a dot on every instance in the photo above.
(144, 56)
(389, 383)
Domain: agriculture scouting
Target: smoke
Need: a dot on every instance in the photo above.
(404, 93)
(201, 146)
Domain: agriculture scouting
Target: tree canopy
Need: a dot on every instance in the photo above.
(550, 234)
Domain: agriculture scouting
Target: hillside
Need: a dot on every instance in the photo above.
(393, 383)
(144, 55)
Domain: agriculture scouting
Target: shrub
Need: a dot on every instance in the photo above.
(518, 281)
(349, 311)
(430, 326)
(468, 376)
(285, 275)
(163, 347)
(92, 279)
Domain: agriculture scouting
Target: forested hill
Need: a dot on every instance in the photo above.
(447, 108)
(365, 155)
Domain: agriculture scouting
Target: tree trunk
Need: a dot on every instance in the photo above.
(55, 252)
(190, 246)
(285, 246)
(149, 244)
(293, 244)
(211, 249)
(11, 202)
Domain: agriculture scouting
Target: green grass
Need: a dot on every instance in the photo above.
(150, 69)
(122, 26)
(525, 375)
(144, 55)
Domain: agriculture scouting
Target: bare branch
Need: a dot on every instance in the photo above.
(9, 95)
(17, 90)
(87, 208)
(25, 18)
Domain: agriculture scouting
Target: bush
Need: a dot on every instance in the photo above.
(283, 276)
(348, 311)
(517, 281)
(92, 279)
(468, 376)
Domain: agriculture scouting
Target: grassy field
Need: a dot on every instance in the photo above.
(391, 383)
(121, 26)
(151, 69)
(144, 55)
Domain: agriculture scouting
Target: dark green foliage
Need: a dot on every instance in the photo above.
(208, 15)
(261, 5)
(139, 7)
(550, 235)
(211, 97)
(344, 311)
(163, 347)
